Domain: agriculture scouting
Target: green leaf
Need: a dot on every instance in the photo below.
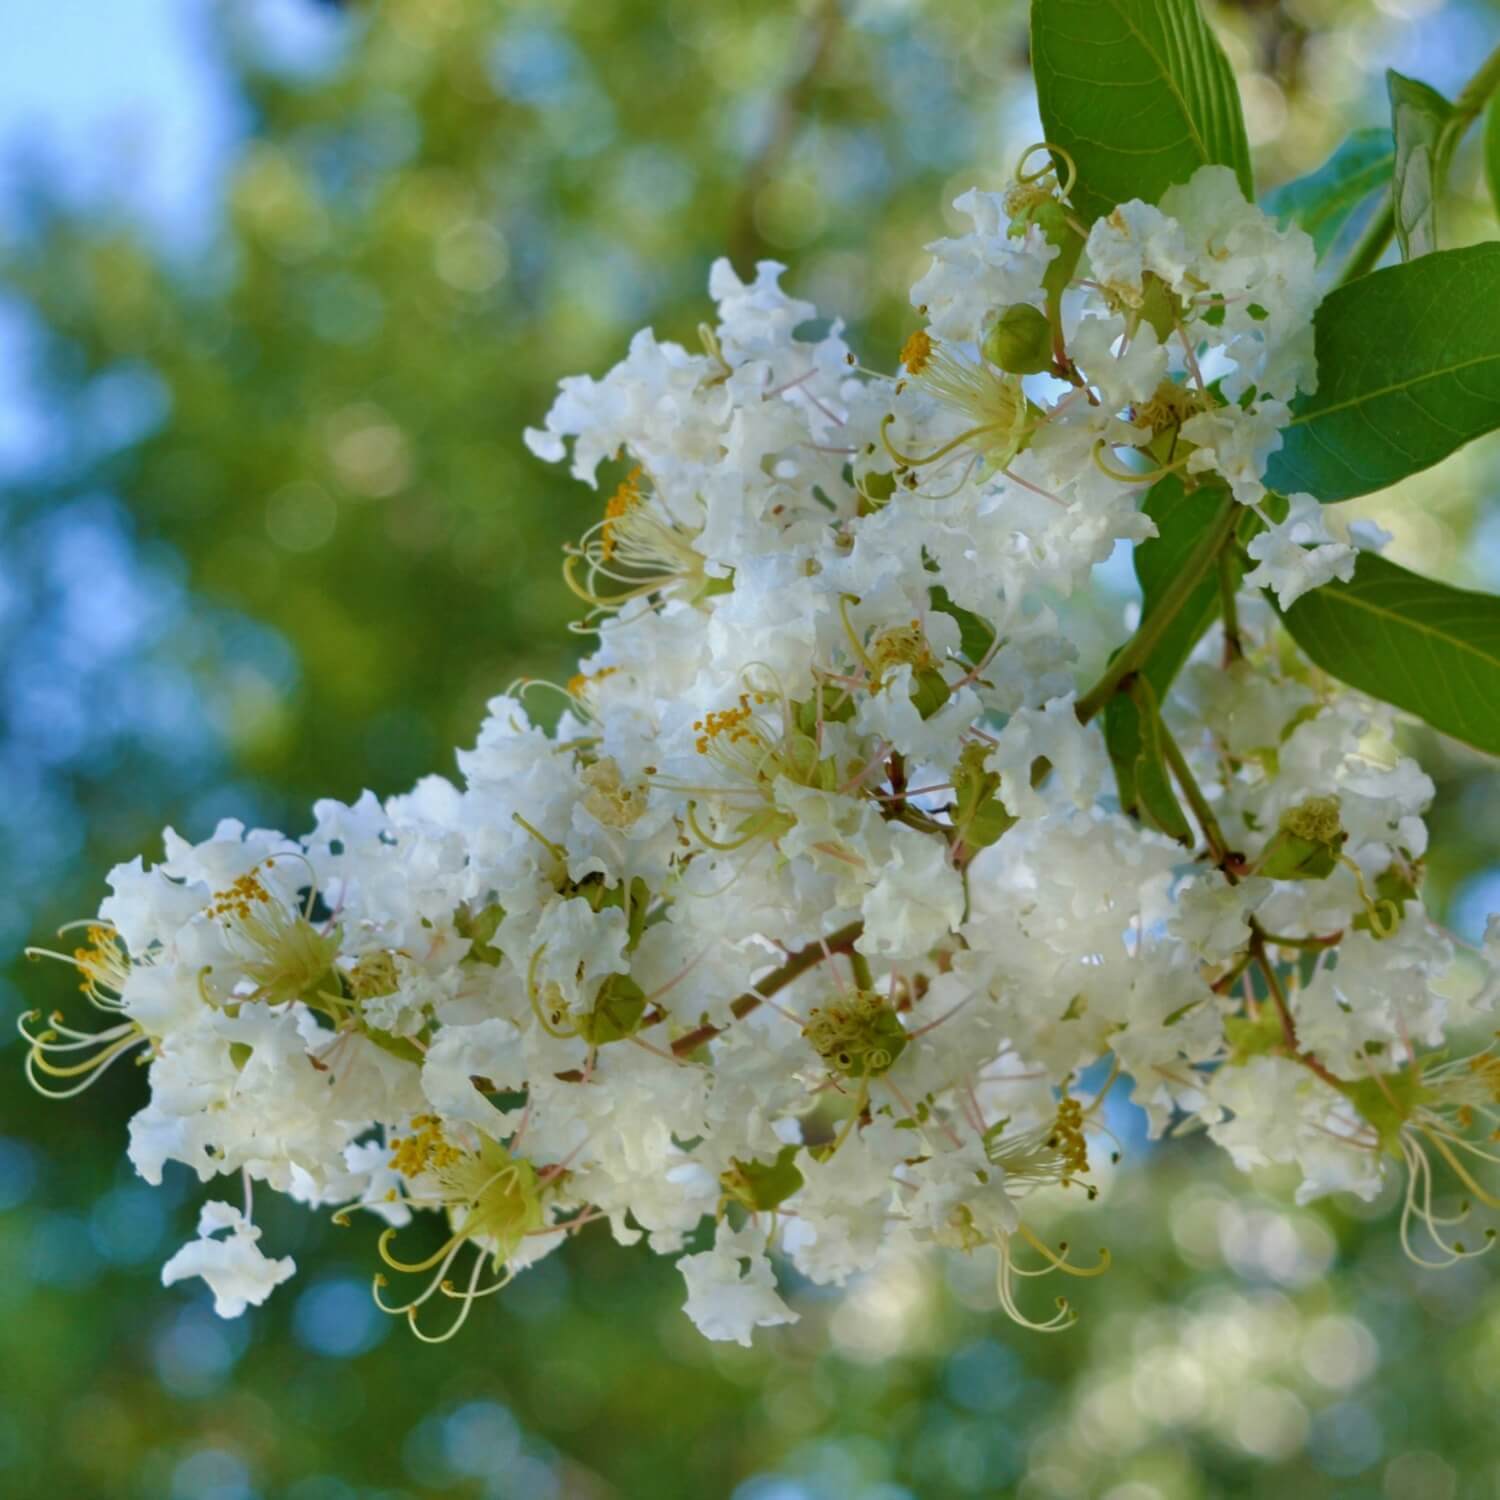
(1492, 148)
(1140, 95)
(1180, 515)
(1408, 371)
(1325, 200)
(1130, 736)
(1429, 648)
(1424, 126)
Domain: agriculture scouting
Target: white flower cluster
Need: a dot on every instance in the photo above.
(813, 913)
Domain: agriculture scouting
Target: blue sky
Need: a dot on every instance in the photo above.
(125, 99)
(116, 95)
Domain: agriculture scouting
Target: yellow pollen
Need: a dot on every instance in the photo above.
(726, 723)
(916, 352)
(1067, 1136)
(731, 724)
(238, 900)
(99, 958)
(427, 1150)
(904, 645)
(619, 505)
(580, 682)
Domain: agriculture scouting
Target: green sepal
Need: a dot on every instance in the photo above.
(975, 634)
(1160, 307)
(875, 488)
(616, 1013)
(1308, 844)
(978, 814)
(834, 705)
(398, 1046)
(480, 927)
(763, 1185)
(711, 588)
(640, 911)
(1257, 1038)
(1393, 885)
(1386, 1103)
(929, 691)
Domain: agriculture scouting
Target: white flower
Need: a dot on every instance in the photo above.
(1237, 443)
(1213, 916)
(236, 1270)
(1052, 733)
(917, 900)
(975, 277)
(1369, 536)
(1298, 554)
(783, 913)
(731, 1288)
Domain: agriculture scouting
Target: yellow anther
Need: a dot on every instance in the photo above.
(427, 1149)
(916, 352)
(625, 499)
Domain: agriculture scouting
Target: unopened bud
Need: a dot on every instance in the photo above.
(1021, 341)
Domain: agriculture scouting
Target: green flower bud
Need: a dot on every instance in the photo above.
(1021, 341)
(1307, 844)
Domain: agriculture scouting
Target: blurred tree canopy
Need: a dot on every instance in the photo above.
(283, 540)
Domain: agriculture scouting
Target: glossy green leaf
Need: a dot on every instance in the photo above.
(1140, 95)
(1325, 200)
(1181, 515)
(1141, 774)
(1429, 648)
(1423, 123)
(1408, 371)
(1492, 149)
(1132, 735)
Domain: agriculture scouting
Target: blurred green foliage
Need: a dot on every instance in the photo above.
(324, 477)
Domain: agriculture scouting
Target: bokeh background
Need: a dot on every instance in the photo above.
(280, 283)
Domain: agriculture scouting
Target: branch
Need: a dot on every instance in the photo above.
(1288, 1026)
(797, 965)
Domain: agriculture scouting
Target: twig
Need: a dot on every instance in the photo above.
(797, 965)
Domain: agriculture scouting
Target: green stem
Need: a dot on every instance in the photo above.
(1218, 846)
(1134, 654)
(1475, 94)
(1366, 253)
(1466, 109)
(1234, 647)
(861, 967)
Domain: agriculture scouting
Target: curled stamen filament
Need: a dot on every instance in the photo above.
(1381, 926)
(549, 1024)
(1065, 187)
(108, 1047)
(911, 461)
(1131, 476)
